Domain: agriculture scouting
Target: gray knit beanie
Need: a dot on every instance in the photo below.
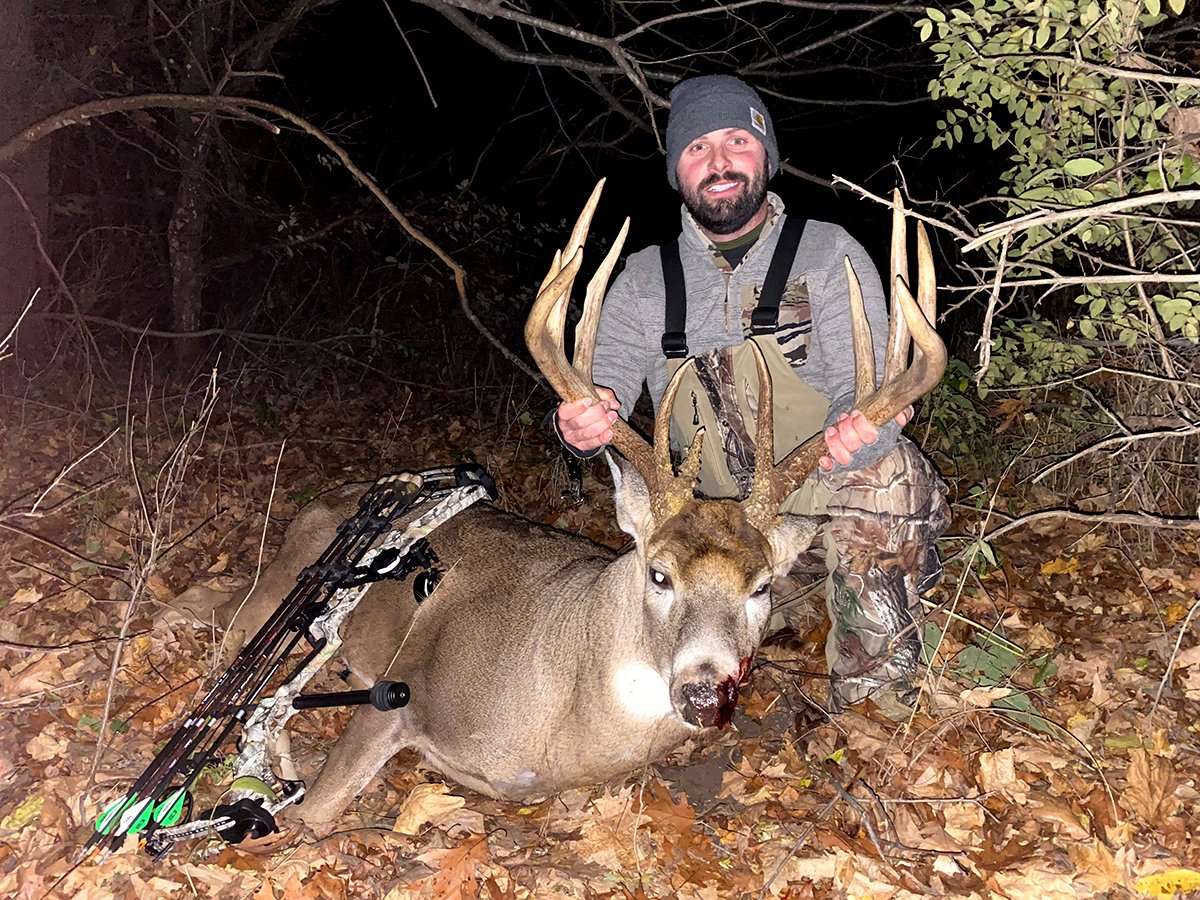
(708, 102)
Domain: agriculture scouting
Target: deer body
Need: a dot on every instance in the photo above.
(542, 660)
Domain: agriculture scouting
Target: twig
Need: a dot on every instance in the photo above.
(1183, 629)
(1111, 207)
(411, 52)
(1139, 519)
(985, 335)
(17, 529)
(1097, 370)
(40, 244)
(59, 648)
(240, 107)
(4, 352)
(67, 468)
(928, 220)
(1119, 440)
(262, 542)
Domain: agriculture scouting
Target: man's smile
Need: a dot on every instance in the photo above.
(722, 187)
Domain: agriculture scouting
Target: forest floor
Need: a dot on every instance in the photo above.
(1042, 762)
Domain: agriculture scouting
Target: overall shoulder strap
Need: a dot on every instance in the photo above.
(674, 339)
(766, 315)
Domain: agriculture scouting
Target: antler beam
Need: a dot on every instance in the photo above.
(544, 335)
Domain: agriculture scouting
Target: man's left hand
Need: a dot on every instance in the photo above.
(849, 434)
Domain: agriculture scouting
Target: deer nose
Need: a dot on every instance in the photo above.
(706, 693)
(708, 705)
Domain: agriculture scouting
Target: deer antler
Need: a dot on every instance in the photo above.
(544, 337)
(911, 323)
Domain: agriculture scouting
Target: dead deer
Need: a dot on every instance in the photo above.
(544, 661)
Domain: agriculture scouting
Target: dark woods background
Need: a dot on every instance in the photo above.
(184, 222)
(485, 124)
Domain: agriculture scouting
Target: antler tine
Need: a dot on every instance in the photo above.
(584, 222)
(547, 320)
(766, 491)
(668, 491)
(585, 328)
(898, 341)
(929, 360)
(864, 351)
(544, 331)
(926, 278)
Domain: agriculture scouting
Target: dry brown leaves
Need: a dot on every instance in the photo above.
(962, 801)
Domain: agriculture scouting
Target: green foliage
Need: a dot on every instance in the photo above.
(1052, 85)
(1031, 353)
(992, 661)
(955, 423)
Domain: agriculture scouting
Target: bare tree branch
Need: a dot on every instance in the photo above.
(240, 107)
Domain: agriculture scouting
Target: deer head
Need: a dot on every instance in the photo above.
(704, 567)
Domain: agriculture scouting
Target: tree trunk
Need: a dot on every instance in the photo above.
(185, 235)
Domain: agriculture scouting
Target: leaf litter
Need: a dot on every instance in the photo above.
(1037, 765)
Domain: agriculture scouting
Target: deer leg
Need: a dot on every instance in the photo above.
(369, 741)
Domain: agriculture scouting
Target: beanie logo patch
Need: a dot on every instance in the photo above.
(758, 121)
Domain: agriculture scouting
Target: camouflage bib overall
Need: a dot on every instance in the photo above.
(880, 549)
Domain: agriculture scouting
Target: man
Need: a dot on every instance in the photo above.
(742, 270)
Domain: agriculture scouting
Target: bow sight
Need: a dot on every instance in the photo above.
(159, 803)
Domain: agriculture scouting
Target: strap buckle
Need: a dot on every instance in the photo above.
(764, 320)
(674, 345)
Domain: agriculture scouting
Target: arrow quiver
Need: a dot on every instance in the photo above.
(159, 802)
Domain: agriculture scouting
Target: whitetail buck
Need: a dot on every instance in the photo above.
(543, 661)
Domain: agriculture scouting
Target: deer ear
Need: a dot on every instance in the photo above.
(790, 536)
(631, 497)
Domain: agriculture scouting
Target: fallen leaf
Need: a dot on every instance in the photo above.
(997, 772)
(1035, 882)
(455, 877)
(426, 803)
(1058, 813)
(963, 821)
(1060, 566)
(1095, 865)
(28, 810)
(1169, 883)
(1150, 792)
(158, 586)
(1191, 684)
(1175, 612)
(1039, 637)
(982, 697)
(1187, 658)
(26, 596)
(46, 745)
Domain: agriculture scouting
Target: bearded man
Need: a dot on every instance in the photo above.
(741, 270)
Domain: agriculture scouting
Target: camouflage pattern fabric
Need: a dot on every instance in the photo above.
(881, 554)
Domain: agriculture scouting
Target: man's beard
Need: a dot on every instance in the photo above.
(725, 215)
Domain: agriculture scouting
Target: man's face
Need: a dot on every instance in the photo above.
(723, 179)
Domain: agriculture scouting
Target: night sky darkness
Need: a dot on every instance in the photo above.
(350, 66)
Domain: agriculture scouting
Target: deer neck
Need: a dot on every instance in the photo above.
(628, 678)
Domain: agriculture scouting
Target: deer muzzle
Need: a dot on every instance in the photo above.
(710, 704)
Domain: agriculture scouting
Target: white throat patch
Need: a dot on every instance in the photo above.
(642, 692)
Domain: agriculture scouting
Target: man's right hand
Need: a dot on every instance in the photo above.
(587, 424)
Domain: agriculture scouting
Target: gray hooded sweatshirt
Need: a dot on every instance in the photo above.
(814, 314)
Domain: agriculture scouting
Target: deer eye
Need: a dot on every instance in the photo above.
(660, 579)
(762, 590)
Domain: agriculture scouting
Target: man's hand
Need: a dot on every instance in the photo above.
(587, 424)
(849, 434)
